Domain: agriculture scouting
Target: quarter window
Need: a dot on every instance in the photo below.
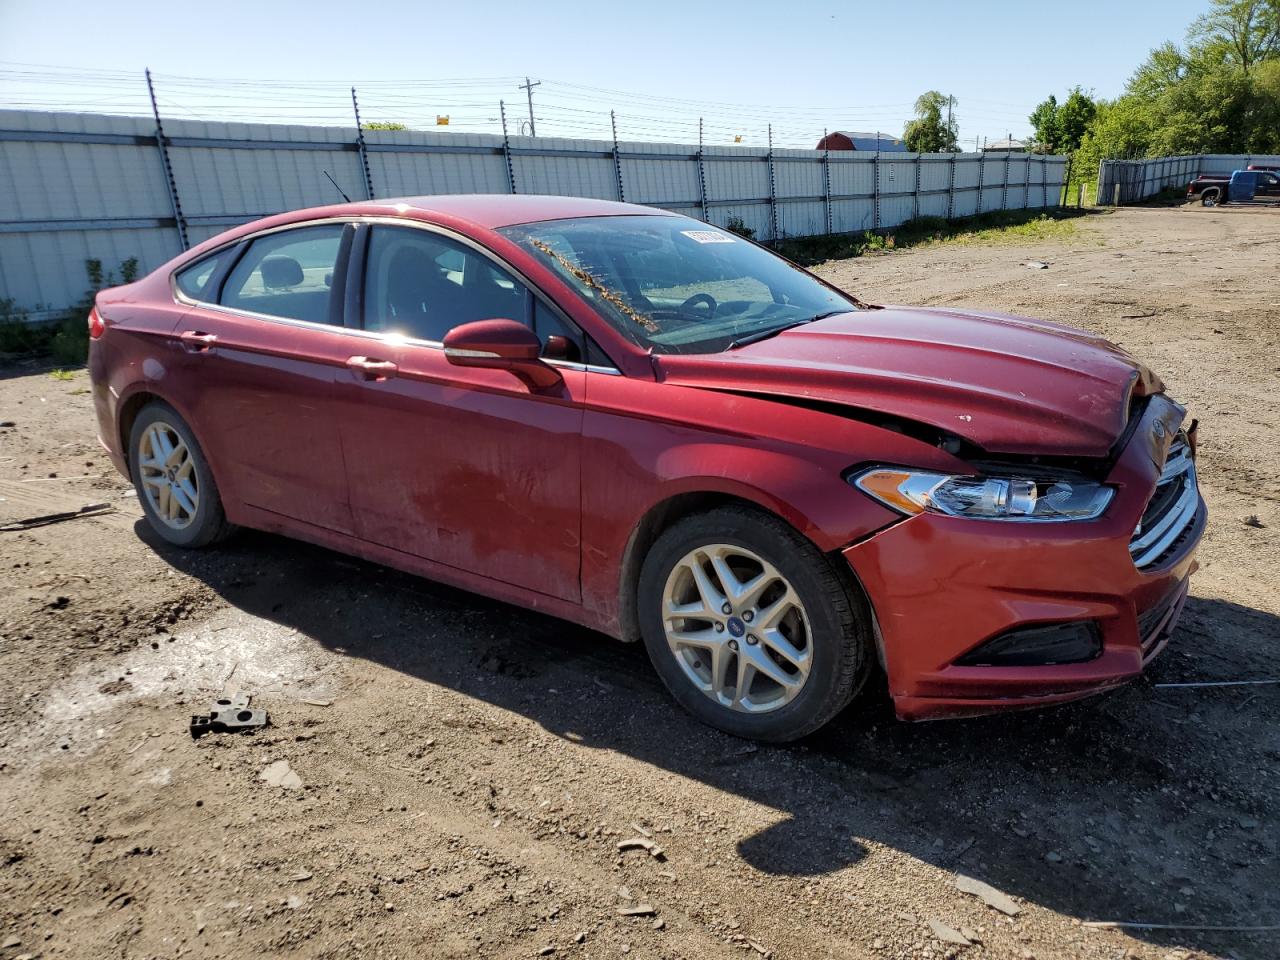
(194, 280)
(287, 274)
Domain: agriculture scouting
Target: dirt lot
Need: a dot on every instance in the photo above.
(468, 769)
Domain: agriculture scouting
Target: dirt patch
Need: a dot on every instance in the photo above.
(447, 777)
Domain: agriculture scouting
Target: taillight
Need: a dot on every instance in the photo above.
(96, 327)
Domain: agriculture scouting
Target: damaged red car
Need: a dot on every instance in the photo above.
(658, 429)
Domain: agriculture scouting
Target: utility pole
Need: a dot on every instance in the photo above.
(950, 103)
(527, 87)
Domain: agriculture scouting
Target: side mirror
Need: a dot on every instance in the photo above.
(500, 345)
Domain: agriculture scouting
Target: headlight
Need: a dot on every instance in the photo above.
(984, 498)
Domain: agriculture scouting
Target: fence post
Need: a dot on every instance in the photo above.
(364, 154)
(1063, 195)
(506, 147)
(702, 177)
(915, 199)
(875, 170)
(1004, 185)
(982, 183)
(951, 190)
(617, 160)
(170, 181)
(773, 190)
(826, 181)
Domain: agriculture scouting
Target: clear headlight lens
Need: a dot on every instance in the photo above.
(984, 498)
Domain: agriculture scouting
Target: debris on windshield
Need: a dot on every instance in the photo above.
(614, 300)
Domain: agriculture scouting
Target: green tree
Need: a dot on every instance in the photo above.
(1044, 121)
(934, 130)
(1243, 32)
(384, 125)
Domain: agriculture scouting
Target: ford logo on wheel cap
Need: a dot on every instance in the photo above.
(736, 627)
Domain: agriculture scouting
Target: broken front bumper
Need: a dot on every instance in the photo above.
(941, 587)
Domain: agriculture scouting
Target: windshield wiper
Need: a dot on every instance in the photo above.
(774, 331)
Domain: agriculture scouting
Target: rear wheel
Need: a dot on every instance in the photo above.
(173, 480)
(1211, 197)
(752, 629)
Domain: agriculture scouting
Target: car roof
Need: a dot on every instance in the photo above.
(503, 209)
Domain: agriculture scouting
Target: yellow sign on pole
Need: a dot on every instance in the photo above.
(442, 120)
(737, 138)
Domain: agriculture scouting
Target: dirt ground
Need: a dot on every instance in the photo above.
(467, 770)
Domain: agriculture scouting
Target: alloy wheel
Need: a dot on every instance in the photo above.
(168, 475)
(737, 628)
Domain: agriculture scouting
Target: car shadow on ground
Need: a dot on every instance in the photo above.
(1145, 804)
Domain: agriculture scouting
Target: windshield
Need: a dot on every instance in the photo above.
(676, 285)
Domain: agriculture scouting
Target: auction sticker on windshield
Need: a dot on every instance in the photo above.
(707, 236)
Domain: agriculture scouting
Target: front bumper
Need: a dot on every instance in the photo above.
(942, 586)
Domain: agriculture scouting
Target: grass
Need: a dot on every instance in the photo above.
(63, 375)
(997, 227)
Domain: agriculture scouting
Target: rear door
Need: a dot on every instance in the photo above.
(462, 466)
(254, 367)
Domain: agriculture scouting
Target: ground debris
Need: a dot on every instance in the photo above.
(948, 934)
(643, 843)
(279, 774)
(639, 910)
(988, 894)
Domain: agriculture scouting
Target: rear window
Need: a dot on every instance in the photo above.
(287, 274)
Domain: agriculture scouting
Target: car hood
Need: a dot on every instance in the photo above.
(1007, 384)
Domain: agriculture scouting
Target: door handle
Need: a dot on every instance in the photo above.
(193, 341)
(366, 368)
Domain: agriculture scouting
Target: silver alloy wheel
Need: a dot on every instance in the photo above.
(168, 475)
(737, 628)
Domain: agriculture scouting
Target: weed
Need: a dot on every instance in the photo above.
(738, 226)
(63, 375)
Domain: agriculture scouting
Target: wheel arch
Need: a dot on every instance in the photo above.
(675, 507)
(134, 402)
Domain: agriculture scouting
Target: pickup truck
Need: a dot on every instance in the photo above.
(1213, 189)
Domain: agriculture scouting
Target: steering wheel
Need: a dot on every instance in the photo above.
(703, 299)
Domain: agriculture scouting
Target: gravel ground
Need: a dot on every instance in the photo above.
(466, 771)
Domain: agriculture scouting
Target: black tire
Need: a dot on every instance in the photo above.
(1211, 197)
(841, 639)
(209, 523)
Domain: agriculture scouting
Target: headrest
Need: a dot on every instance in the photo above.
(278, 272)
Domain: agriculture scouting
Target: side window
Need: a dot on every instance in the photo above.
(421, 285)
(193, 281)
(287, 274)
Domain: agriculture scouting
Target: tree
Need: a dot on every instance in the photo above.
(1243, 32)
(931, 132)
(1044, 121)
(384, 125)
(1074, 117)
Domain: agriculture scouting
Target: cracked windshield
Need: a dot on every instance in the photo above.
(676, 285)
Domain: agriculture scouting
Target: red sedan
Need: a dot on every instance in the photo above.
(653, 427)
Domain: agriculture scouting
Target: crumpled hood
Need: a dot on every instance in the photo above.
(1007, 384)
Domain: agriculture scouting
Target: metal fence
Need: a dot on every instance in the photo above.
(79, 186)
(1128, 181)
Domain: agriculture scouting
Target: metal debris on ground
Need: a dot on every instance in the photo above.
(88, 510)
(228, 715)
(988, 894)
(1036, 264)
(1217, 683)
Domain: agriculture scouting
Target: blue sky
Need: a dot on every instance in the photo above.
(799, 65)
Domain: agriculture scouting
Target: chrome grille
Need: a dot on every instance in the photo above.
(1171, 512)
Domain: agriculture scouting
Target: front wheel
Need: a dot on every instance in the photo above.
(173, 480)
(752, 629)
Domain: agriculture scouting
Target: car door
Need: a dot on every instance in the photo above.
(1268, 184)
(463, 466)
(254, 366)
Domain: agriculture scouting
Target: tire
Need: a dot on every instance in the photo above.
(831, 627)
(1210, 198)
(184, 471)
